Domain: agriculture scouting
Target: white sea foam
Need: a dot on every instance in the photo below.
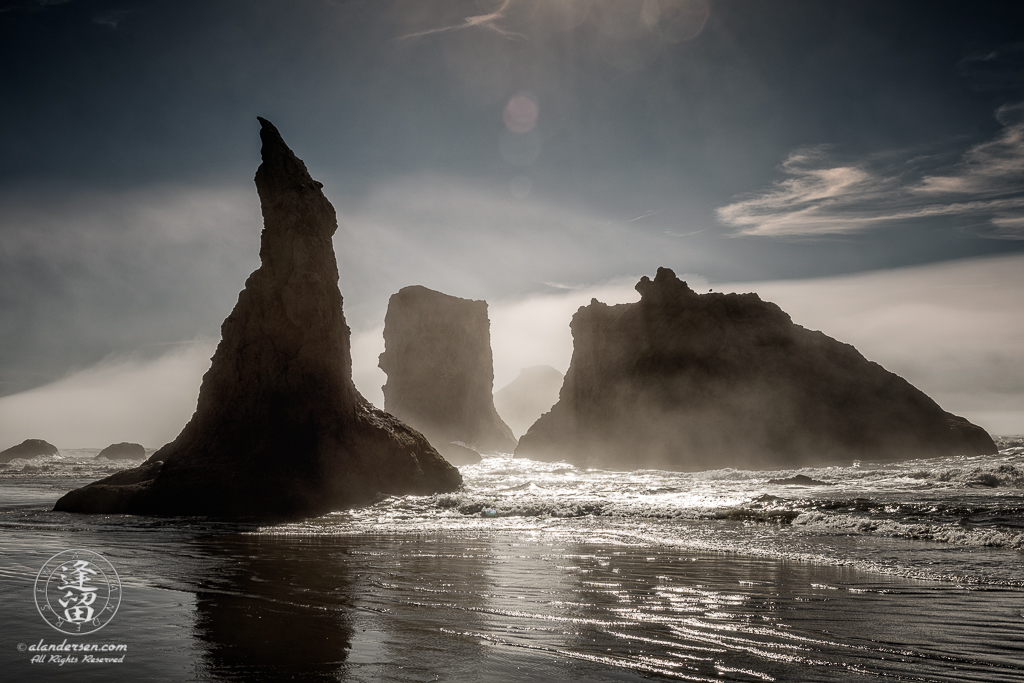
(890, 517)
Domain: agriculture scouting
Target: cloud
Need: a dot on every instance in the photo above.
(534, 330)
(998, 69)
(129, 397)
(952, 329)
(823, 196)
(84, 273)
(642, 21)
(490, 21)
(818, 198)
(480, 242)
(993, 169)
(123, 398)
(525, 331)
(32, 5)
(111, 19)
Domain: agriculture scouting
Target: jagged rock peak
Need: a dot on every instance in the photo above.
(690, 381)
(665, 284)
(280, 166)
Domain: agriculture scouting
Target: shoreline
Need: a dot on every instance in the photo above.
(242, 606)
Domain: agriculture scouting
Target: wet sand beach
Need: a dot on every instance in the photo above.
(502, 607)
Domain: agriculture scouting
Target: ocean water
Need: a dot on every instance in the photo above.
(909, 571)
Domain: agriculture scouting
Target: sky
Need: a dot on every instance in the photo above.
(861, 163)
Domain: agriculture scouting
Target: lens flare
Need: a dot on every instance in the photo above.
(521, 113)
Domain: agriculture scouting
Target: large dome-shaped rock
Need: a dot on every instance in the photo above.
(123, 451)
(279, 430)
(692, 382)
(437, 355)
(29, 448)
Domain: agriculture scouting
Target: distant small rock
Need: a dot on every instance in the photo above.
(29, 448)
(123, 451)
(767, 498)
(799, 480)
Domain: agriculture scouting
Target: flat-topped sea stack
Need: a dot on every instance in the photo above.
(123, 451)
(437, 355)
(690, 381)
(279, 431)
(27, 449)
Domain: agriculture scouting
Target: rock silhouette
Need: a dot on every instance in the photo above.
(280, 430)
(437, 355)
(690, 381)
(123, 451)
(798, 480)
(528, 396)
(29, 448)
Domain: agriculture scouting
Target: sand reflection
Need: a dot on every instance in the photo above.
(273, 609)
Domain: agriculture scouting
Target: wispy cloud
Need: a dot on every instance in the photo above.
(1001, 68)
(123, 398)
(650, 21)
(824, 196)
(490, 21)
(481, 242)
(31, 5)
(111, 19)
(991, 169)
(86, 272)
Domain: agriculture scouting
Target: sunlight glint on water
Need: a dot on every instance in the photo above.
(543, 571)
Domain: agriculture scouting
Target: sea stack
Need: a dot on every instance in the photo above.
(690, 381)
(280, 430)
(123, 451)
(27, 449)
(437, 355)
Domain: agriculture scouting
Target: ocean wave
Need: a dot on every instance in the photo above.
(1002, 475)
(942, 533)
(534, 507)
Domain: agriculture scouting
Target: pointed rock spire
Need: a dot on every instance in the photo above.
(279, 429)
